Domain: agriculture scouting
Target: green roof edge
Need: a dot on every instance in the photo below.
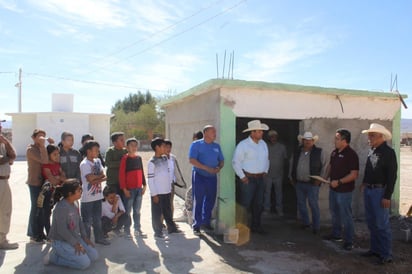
(218, 83)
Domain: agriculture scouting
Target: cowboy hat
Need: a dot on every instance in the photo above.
(256, 125)
(308, 136)
(374, 127)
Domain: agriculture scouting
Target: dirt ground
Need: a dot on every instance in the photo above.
(286, 248)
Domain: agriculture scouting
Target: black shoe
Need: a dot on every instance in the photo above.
(103, 242)
(315, 231)
(258, 230)
(196, 231)
(207, 227)
(348, 246)
(330, 237)
(304, 227)
(160, 236)
(370, 253)
(174, 230)
(383, 261)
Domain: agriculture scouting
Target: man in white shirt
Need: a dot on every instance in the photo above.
(251, 162)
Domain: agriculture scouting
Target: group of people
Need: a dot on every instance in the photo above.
(59, 176)
(259, 165)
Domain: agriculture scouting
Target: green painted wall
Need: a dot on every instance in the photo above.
(227, 194)
(396, 144)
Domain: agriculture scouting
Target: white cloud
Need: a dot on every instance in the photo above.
(282, 49)
(153, 16)
(100, 13)
(62, 30)
(10, 5)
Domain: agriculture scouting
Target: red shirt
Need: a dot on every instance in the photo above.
(131, 173)
(53, 167)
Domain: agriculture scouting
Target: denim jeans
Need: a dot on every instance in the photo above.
(133, 203)
(276, 182)
(252, 199)
(91, 215)
(340, 206)
(377, 219)
(204, 198)
(64, 254)
(308, 191)
(33, 227)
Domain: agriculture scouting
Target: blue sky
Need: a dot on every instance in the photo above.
(170, 46)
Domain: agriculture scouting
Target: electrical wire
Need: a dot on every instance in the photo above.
(170, 37)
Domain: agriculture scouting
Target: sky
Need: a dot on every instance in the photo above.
(103, 50)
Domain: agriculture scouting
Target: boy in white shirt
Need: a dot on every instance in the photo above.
(113, 217)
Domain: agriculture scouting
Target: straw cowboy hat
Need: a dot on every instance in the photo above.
(308, 136)
(256, 125)
(377, 128)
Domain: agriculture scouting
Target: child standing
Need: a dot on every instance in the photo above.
(69, 158)
(70, 245)
(113, 212)
(53, 176)
(160, 188)
(113, 156)
(133, 184)
(92, 175)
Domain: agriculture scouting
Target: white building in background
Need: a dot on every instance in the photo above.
(61, 118)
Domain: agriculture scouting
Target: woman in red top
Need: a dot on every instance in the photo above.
(53, 176)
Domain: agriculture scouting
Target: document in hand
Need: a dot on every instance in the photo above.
(321, 179)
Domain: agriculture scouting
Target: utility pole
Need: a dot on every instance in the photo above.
(18, 85)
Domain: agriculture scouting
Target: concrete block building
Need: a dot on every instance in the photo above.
(290, 110)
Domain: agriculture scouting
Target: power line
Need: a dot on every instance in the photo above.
(171, 37)
(91, 82)
(156, 33)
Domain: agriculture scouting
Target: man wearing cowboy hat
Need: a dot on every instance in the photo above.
(251, 162)
(277, 158)
(308, 160)
(378, 184)
(7, 156)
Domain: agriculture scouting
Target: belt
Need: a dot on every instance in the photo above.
(4, 177)
(375, 185)
(254, 175)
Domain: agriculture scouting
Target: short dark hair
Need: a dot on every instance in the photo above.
(108, 190)
(344, 134)
(90, 144)
(116, 135)
(63, 191)
(156, 142)
(168, 142)
(198, 135)
(86, 137)
(66, 134)
(50, 148)
(130, 140)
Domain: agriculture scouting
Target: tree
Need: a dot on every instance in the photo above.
(138, 115)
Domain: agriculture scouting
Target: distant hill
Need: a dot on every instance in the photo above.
(406, 125)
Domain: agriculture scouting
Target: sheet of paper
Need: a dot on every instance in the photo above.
(323, 180)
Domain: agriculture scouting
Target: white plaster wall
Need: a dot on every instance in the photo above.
(22, 130)
(99, 126)
(303, 105)
(185, 119)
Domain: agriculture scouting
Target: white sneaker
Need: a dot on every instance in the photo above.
(8, 246)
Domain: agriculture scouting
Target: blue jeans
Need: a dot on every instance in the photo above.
(276, 182)
(34, 218)
(308, 191)
(251, 198)
(91, 215)
(340, 206)
(64, 254)
(377, 219)
(133, 203)
(204, 198)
